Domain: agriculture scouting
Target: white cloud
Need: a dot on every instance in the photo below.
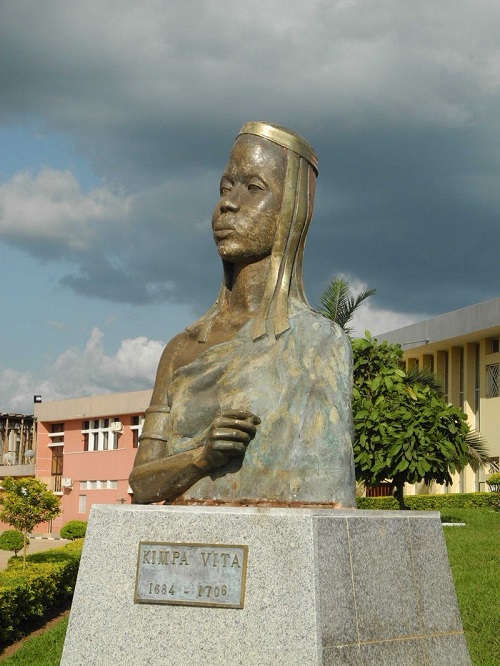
(50, 207)
(369, 317)
(377, 320)
(16, 391)
(90, 371)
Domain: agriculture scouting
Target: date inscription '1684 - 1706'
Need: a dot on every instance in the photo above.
(191, 574)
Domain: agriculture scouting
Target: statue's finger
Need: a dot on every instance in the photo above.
(236, 424)
(230, 435)
(241, 414)
(228, 447)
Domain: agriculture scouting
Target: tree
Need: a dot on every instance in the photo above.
(12, 540)
(25, 503)
(339, 305)
(404, 430)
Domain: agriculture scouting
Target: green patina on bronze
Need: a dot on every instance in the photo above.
(252, 402)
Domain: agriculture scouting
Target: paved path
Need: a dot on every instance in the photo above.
(36, 545)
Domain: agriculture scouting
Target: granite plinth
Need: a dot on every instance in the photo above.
(333, 587)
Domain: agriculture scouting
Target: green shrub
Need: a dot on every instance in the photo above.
(75, 529)
(494, 481)
(430, 502)
(47, 582)
(12, 540)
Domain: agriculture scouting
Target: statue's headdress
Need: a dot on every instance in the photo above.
(285, 274)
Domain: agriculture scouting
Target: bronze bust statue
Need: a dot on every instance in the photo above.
(252, 403)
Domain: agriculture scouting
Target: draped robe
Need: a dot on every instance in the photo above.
(300, 387)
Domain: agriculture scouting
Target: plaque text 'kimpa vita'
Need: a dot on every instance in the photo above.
(191, 574)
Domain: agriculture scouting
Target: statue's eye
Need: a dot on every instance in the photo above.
(255, 187)
(225, 188)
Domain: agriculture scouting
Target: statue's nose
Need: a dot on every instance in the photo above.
(229, 203)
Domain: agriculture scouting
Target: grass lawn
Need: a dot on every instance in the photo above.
(42, 650)
(474, 552)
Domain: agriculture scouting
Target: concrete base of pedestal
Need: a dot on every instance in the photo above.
(333, 587)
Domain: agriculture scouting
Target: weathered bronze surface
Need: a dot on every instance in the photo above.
(191, 574)
(252, 402)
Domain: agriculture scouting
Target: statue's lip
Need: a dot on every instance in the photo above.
(223, 233)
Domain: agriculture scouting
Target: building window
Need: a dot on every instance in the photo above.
(136, 428)
(492, 345)
(493, 466)
(461, 393)
(57, 433)
(444, 373)
(57, 469)
(492, 380)
(99, 435)
(82, 504)
(98, 485)
(428, 362)
(477, 387)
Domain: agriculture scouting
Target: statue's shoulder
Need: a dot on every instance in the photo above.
(315, 326)
(172, 350)
(320, 344)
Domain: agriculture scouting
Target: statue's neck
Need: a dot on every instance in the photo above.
(239, 301)
(245, 287)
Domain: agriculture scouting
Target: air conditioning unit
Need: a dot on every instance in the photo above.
(67, 483)
(116, 426)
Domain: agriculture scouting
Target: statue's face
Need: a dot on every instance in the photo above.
(245, 218)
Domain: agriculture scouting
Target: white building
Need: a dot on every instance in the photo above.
(463, 349)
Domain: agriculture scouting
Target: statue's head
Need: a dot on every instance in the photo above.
(266, 202)
(246, 216)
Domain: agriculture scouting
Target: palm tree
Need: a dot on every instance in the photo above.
(339, 305)
(478, 454)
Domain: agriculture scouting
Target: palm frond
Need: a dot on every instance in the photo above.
(338, 305)
(423, 376)
(334, 300)
(478, 454)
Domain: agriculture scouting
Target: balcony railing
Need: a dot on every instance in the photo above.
(57, 483)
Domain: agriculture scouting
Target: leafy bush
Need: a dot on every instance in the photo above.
(75, 529)
(430, 502)
(47, 581)
(494, 481)
(12, 540)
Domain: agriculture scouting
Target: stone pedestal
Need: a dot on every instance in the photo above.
(334, 587)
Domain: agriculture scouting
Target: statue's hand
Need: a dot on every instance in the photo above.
(229, 436)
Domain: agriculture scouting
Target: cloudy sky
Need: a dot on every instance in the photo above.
(116, 120)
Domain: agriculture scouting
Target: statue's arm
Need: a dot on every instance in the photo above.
(165, 479)
(158, 476)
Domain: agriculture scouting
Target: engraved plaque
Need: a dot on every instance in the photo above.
(191, 574)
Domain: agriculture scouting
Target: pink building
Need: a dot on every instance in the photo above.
(86, 448)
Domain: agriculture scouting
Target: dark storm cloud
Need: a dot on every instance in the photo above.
(400, 100)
